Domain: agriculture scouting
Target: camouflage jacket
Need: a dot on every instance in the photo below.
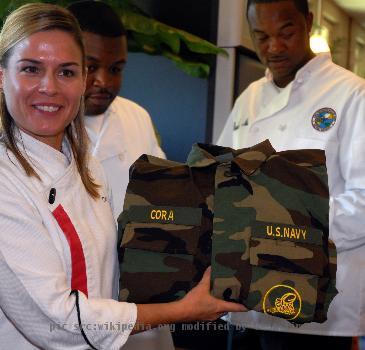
(259, 217)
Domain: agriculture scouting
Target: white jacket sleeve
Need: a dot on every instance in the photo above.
(35, 294)
(347, 225)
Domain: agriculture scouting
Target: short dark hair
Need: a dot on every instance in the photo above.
(97, 17)
(301, 5)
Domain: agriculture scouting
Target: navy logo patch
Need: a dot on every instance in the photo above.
(324, 119)
(283, 300)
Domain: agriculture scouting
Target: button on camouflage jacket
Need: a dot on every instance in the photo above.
(257, 216)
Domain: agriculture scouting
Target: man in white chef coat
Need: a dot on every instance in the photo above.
(306, 101)
(119, 129)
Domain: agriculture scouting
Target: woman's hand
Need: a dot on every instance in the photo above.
(200, 305)
(197, 305)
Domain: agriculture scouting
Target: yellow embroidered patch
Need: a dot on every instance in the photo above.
(283, 300)
(286, 232)
(160, 214)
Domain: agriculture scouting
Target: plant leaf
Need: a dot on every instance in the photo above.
(195, 69)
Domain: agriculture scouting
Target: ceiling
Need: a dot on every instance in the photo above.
(355, 8)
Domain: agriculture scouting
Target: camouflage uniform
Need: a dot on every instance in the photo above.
(260, 218)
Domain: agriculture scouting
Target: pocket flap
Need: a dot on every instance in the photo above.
(150, 277)
(288, 248)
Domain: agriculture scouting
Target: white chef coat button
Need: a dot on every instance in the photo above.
(282, 127)
(299, 80)
(121, 156)
(256, 129)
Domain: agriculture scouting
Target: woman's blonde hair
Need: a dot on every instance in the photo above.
(19, 25)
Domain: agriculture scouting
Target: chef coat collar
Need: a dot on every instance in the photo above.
(247, 159)
(109, 141)
(304, 72)
(46, 161)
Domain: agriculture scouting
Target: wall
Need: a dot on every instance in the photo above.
(177, 102)
(338, 24)
(346, 36)
(233, 27)
(357, 51)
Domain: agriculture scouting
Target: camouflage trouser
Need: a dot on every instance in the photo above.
(260, 218)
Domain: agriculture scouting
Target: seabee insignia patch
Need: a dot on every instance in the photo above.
(324, 119)
(282, 300)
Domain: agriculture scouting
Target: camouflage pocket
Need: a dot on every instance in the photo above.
(291, 296)
(167, 276)
(288, 263)
(159, 249)
(288, 248)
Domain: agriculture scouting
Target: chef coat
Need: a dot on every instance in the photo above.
(55, 238)
(324, 108)
(118, 137)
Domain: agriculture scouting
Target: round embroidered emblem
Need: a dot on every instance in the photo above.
(282, 300)
(324, 119)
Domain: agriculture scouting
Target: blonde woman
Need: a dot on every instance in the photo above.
(58, 263)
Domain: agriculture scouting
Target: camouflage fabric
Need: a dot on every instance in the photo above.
(166, 229)
(259, 217)
(271, 250)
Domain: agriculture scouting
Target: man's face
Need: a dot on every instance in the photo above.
(280, 34)
(105, 60)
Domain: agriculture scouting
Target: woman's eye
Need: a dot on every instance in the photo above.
(30, 69)
(67, 73)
